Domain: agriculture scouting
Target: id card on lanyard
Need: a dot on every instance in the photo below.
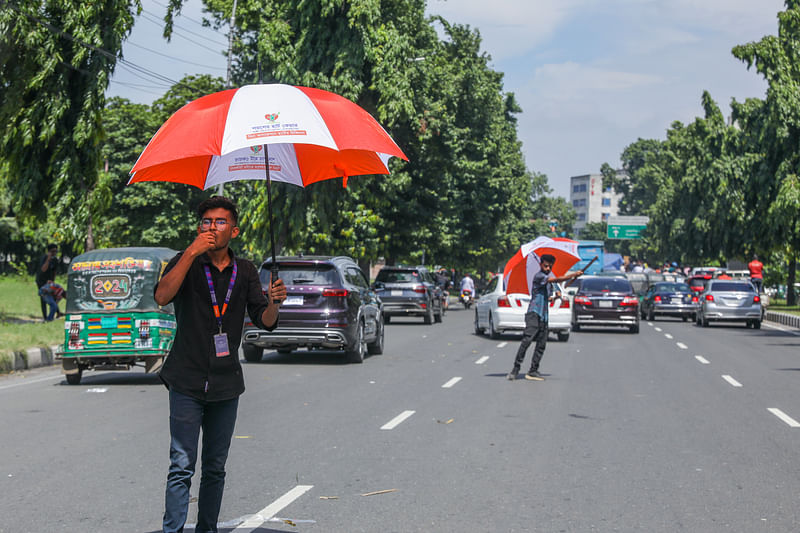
(221, 338)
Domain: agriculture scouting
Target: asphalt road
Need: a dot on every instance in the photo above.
(678, 428)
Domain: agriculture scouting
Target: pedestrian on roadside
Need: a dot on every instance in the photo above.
(46, 271)
(756, 269)
(211, 289)
(51, 293)
(536, 317)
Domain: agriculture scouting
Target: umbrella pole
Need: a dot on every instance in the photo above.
(274, 269)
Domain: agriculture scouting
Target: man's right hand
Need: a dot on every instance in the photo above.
(204, 242)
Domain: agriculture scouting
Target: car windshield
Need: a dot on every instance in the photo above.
(672, 287)
(731, 286)
(638, 281)
(697, 282)
(606, 285)
(398, 276)
(302, 274)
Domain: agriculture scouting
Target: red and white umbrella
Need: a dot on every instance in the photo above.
(520, 269)
(306, 135)
(309, 135)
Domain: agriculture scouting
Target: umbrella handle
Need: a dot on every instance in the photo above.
(584, 269)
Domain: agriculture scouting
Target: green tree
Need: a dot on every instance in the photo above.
(774, 127)
(56, 58)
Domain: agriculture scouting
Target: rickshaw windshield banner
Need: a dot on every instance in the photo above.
(116, 279)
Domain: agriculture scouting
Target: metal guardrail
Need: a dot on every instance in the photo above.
(783, 318)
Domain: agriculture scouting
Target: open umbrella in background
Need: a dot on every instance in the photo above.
(520, 269)
(306, 135)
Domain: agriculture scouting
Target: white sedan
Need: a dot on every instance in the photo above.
(497, 312)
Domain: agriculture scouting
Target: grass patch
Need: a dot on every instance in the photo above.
(780, 306)
(21, 324)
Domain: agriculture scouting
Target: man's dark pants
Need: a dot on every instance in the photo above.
(757, 284)
(535, 331)
(217, 420)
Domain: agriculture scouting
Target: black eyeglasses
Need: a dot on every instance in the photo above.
(220, 223)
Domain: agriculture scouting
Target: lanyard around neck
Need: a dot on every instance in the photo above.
(217, 313)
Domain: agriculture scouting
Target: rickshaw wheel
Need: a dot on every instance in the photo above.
(75, 379)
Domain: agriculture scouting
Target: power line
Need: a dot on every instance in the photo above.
(199, 23)
(172, 57)
(185, 29)
(178, 34)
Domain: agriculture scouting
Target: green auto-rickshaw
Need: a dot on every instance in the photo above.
(112, 320)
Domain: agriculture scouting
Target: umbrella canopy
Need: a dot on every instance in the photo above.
(520, 269)
(307, 134)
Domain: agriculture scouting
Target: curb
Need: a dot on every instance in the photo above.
(30, 358)
(783, 318)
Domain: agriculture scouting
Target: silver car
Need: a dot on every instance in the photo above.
(730, 300)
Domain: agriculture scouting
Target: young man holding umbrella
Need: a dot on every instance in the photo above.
(536, 317)
(210, 289)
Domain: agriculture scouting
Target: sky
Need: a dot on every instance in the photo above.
(591, 76)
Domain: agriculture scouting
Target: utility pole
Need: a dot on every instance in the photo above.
(221, 187)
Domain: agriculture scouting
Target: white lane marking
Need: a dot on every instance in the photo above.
(783, 416)
(98, 389)
(482, 360)
(450, 383)
(29, 381)
(649, 323)
(396, 421)
(275, 507)
(764, 324)
(658, 329)
(702, 359)
(682, 346)
(502, 344)
(667, 335)
(730, 380)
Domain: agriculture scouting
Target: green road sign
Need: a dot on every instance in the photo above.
(626, 227)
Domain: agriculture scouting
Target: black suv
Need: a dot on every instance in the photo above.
(329, 304)
(409, 291)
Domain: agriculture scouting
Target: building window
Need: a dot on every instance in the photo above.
(581, 217)
(579, 203)
(609, 189)
(605, 216)
(579, 188)
(606, 202)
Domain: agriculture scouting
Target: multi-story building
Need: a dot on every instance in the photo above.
(593, 202)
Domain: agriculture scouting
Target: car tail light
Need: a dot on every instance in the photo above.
(423, 305)
(756, 299)
(420, 289)
(144, 329)
(564, 303)
(341, 293)
(629, 301)
(582, 300)
(74, 331)
(657, 299)
(709, 297)
(502, 301)
(695, 299)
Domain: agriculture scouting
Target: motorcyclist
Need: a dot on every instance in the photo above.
(468, 285)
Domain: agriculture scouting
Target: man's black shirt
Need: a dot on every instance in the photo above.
(50, 273)
(192, 366)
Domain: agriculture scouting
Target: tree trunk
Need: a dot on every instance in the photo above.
(89, 235)
(791, 294)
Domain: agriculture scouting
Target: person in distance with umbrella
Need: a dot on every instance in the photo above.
(211, 289)
(536, 317)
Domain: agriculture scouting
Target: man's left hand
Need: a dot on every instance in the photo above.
(277, 293)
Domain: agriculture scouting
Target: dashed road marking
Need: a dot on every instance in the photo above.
(272, 509)
(795, 333)
(396, 421)
(667, 335)
(791, 422)
(730, 380)
(502, 344)
(649, 323)
(450, 383)
(702, 359)
(658, 329)
(682, 346)
(482, 360)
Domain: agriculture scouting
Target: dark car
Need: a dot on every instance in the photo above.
(669, 298)
(409, 291)
(329, 305)
(605, 301)
(698, 282)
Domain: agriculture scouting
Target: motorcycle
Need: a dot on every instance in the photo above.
(466, 298)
